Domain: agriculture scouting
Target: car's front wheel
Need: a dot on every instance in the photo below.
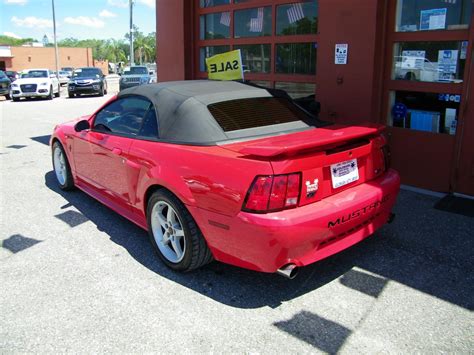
(7, 97)
(51, 94)
(62, 169)
(59, 91)
(174, 233)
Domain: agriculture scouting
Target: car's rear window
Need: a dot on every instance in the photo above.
(255, 112)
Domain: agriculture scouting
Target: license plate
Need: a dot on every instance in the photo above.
(344, 173)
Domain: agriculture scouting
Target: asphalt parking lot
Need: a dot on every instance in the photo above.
(76, 277)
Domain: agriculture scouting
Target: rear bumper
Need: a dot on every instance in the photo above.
(304, 235)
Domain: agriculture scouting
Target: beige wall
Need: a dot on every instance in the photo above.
(44, 57)
(102, 65)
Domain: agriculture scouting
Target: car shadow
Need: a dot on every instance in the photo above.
(383, 254)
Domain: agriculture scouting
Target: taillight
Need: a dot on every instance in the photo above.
(273, 193)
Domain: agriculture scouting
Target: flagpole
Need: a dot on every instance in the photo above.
(131, 34)
(55, 41)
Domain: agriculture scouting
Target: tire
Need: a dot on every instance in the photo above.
(61, 168)
(71, 95)
(105, 91)
(8, 97)
(185, 234)
(51, 94)
(59, 91)
(101, 92)
(15, 99)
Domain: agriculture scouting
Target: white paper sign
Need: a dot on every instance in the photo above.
(341, 53)
(447, 64)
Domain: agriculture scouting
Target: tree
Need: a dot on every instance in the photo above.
(11, 41)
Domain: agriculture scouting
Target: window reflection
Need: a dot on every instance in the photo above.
(427, 15)
(255, 58)
(215, 26)
(421, 111)
(430, 61)
(253, 22)
(297, 18)
(211, 3)
(296, 58)
(206, 52)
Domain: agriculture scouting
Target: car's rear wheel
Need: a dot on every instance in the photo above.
(174, 233)
(62, 169)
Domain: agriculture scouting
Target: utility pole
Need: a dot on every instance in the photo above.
(131, 33)
(55, 41)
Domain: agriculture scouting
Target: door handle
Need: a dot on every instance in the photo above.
(117, 151)
(96, 135)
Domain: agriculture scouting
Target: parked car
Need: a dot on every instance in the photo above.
(12, 75)
(227, 171)
(63, 77)
(68, 70)
(35, 83)
(134, 76)
(87, 80)
(416, 68)
(4, 85)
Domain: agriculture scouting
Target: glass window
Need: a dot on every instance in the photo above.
(429, 112)
(427, 15)
(123, 116)
(211, 3)
(206, 52)
(240, 114)
(255, 58)
(297, 19)
(215, 26)
(297, 90)
(296, 58)
(429, 61)
(149, 128)
(253, 22)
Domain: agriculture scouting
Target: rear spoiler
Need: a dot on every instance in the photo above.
(292, 143)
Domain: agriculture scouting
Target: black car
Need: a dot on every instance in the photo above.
(87, 80)
(12, 75)
(137, 75)
(4, 85)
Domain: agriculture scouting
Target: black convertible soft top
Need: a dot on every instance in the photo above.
(183, 114)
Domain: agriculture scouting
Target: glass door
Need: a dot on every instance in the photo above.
(426, 76)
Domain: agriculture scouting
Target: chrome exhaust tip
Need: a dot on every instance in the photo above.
(289, 271)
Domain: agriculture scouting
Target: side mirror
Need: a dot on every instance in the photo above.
(82, 126)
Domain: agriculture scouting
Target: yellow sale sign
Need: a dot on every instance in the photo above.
(225, 66)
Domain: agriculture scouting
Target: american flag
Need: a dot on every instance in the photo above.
(256, 23)
(225, 19)
(295, 13)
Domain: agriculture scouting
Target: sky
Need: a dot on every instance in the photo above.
(81, 19)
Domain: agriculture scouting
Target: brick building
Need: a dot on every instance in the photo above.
(406, 64)
(20, 58)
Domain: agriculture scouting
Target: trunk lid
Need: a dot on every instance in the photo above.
(330, 159)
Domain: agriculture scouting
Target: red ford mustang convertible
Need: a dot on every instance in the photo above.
(228, 171)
